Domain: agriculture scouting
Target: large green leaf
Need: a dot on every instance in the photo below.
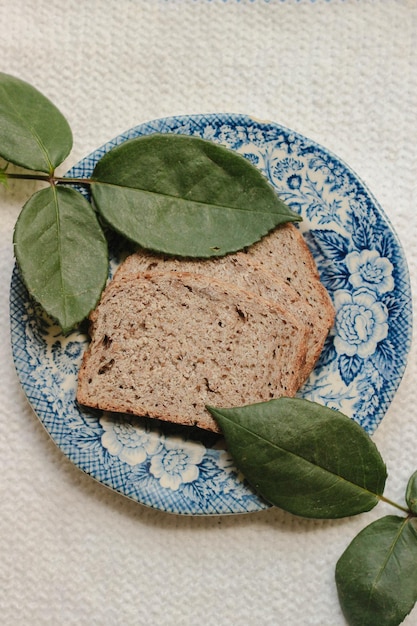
(33, 132)
(185, 196)
(376, 576)
(62, 253)
(304, 457)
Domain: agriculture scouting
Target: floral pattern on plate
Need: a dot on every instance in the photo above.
(361, 263)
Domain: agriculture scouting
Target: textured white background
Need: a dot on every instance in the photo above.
(342, 72)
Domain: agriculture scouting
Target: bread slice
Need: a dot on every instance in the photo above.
(166, 344)
(237, 270)
(279, 268)
(285, 253)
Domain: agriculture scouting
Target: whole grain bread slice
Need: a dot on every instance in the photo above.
(280, 268)
(166, 344)
(285, 253)
(237, 270)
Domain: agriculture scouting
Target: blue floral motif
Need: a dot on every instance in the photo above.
(307, 196)
(253, 158)
(360, 262)
(336, 176)
(359, 272)
(361, 323)
(287, 167)
(128, 439)
(66, 355)
(177, 462)
(369, 270)
(294, 181)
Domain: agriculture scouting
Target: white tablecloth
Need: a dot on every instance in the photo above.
(343, 73)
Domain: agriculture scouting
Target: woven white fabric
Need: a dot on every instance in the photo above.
(342, 72)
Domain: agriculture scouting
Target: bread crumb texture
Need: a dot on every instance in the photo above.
(169, 337)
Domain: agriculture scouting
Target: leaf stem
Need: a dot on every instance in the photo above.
(43, 177)
(51, 179)
(394, 504)
(72, 181)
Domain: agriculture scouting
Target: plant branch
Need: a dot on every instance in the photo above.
(51, 179)
(72, 181)
(394, 504)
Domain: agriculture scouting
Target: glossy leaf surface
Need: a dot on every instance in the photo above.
(185, 196)
(376, 576)
(62, 253)
(33, 132)
(304, 457)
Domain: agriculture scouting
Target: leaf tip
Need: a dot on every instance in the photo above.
(217, 414)
(212, 409)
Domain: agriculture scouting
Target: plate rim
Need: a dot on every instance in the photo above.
(142, 130)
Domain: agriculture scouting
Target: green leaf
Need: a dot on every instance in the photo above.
(376, 576)
(185, 196)
(411, 493)
(33, 133)
(303, 457)
(62, 253)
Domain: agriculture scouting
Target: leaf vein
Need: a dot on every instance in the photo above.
(186, 201)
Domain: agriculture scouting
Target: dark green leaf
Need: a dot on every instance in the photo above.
(62, 253)
(33, 133)
(304, 457)
(185, 196)
(411, 493)
(376, 576)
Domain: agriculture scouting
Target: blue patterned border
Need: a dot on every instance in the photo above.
(362, 264)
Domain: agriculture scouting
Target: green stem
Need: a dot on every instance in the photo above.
(72, 181)
(51, 179)
(43, 177)
(394, 504)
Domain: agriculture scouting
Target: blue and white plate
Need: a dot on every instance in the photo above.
(361, 263)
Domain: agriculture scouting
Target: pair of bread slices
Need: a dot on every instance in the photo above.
(170, 336)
